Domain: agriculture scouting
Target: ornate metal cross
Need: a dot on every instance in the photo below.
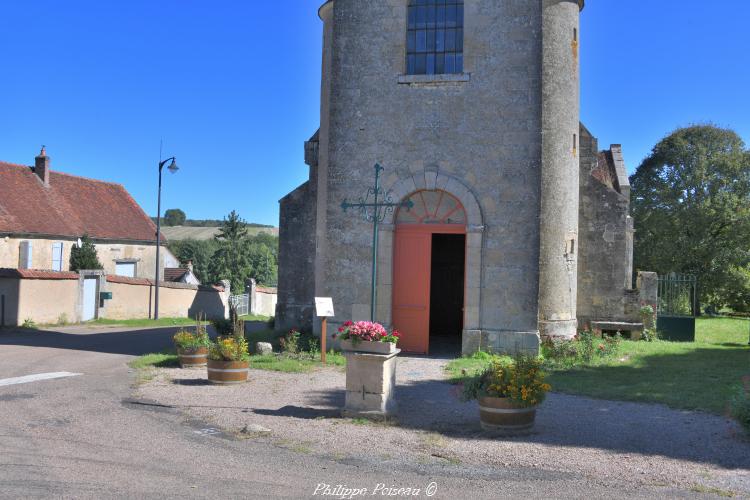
(373, 207)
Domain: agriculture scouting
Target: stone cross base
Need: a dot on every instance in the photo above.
(370, 385)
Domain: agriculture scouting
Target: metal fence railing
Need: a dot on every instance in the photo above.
(677, 295)
(241, 303)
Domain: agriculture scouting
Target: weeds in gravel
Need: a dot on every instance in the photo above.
(699, 488)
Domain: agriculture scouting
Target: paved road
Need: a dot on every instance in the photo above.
(78, 437)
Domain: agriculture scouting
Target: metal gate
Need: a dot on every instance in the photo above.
(677, 307)
(241, 303)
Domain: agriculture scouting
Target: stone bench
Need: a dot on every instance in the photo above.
(635, 329)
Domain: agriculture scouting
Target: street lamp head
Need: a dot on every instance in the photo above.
(173, 168)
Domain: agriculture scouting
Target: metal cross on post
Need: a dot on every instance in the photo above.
(375, 211)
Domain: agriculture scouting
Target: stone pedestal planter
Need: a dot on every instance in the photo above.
(500, 414)
(369, 347)
(228, 372)
(193, 358)
(370, 381)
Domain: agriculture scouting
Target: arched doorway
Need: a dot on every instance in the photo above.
(429, 263)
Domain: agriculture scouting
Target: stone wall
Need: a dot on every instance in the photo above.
(297, 248)
(54, 299)
(605, 253)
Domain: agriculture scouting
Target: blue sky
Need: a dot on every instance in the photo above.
(232, 88)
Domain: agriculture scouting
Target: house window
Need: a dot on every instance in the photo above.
(435, 37)
(125, 268)
(57, 256)
(25, 252)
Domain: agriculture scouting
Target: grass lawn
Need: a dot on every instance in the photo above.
(135, 323)
(699, 375)
(254, 317)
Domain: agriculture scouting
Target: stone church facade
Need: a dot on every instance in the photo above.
(472, 108)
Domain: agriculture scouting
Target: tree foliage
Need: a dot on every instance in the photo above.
(232, 255)
(692, 212)
(174, 217)
(84, 257)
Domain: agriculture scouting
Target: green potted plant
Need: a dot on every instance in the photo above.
(509, 391)
(228, 360)
(192, 347)
(366, 336)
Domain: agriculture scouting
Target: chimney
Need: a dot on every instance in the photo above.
(41, 167)
(189, 265)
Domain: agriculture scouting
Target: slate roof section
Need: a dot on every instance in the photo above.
(70, 207)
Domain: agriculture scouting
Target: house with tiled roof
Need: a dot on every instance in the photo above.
(43, 213)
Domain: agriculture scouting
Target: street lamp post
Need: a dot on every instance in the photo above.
(172, 169)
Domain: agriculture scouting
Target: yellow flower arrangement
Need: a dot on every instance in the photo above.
(520, 379)
(233, 348)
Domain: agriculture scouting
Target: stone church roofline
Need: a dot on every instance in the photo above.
(581, 3)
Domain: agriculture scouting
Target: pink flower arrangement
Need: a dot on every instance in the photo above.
(366, 331)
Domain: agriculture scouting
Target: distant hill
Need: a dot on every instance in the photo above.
(176, 233)
(214, 223)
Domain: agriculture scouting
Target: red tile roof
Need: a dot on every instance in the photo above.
(71, 206)
(34, 274)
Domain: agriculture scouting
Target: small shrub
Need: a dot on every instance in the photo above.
(740, 405)
(222, 326)
(584, 349)
(62, 320)
(650, 335)
(29, 323)
(290, 342)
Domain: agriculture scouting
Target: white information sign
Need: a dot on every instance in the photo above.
(324, 307)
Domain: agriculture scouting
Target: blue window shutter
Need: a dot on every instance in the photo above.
(57, 256)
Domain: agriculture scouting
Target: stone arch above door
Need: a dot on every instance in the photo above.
(431, 180)
(401, 190)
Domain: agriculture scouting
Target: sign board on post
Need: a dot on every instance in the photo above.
(323, 309)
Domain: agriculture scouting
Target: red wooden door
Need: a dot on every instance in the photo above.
(411, 288)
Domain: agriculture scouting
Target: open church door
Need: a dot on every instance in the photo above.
(411, 288)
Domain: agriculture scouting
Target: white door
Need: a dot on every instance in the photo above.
(89, 299)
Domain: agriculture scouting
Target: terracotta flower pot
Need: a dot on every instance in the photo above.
(192, 358)
(502, 414)
(369, 347)
(228, 372)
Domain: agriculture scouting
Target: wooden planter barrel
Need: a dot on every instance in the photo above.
(193, 358)
(228, 372)
(501, 414)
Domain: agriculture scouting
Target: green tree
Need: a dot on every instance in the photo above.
(692, 212)
(197, 251)
(84, 257)
(174, 217)
(231, 259)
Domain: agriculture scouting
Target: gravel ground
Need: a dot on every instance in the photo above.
(608, 441)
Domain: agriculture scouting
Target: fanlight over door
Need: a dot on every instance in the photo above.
(432, 207)
(433, 212)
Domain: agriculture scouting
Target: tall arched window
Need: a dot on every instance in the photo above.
(435, 37)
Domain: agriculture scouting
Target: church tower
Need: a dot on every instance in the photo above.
(472, 109)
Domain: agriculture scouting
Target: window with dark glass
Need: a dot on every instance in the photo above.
(435, 37)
